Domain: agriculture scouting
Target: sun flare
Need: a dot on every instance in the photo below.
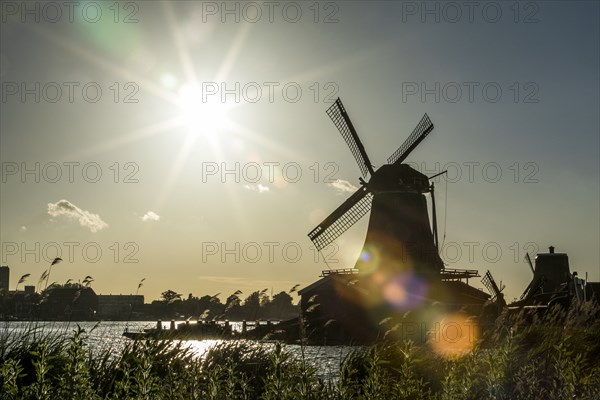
(201, 115)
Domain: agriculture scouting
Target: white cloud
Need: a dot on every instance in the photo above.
(85, 218)
(23, 228)
(257, 188)
(150, 216)
(343, 186)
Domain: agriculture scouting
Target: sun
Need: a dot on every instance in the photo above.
(201, 115)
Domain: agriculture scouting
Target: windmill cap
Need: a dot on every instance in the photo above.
(393, 176)
(551, 253)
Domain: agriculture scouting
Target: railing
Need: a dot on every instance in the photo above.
(446, 273)
(452, 273)
(343, 271)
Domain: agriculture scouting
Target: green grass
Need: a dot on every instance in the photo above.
(553, 357)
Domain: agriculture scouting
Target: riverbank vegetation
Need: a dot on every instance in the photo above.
(77, 301)
(555, 356)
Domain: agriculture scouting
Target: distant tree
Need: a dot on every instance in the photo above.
(282, 300)
(233, 301)
(209, 307)
(232, 308)
(281, 307)
(264, 298)
(251, 306)
(169, 296)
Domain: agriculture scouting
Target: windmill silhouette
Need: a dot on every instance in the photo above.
(398, 231)
(399, 268)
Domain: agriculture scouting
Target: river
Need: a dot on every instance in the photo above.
(107, 335)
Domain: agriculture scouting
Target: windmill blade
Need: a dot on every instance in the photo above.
(530, 263)
(418, 134)
(346, 215)
(340, 118)
(490, 284)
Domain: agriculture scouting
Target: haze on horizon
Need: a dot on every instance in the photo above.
(188, 144)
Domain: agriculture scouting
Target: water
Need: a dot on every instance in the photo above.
(107, 335)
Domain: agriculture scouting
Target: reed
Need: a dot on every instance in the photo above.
(556, 356)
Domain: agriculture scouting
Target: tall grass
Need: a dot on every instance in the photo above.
(556, 356)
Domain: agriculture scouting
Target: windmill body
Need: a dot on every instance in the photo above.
(399, 234)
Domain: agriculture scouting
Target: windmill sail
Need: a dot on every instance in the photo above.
(359, 204)
(340, 118)
(529, 263)
(490, 284)
(423, 129)
(346, 215)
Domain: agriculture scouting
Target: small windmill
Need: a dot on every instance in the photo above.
(399, 223)
(495, 289)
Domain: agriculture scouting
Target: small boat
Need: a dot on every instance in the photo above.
(185, 331)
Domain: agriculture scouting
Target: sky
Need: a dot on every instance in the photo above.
(186, 143)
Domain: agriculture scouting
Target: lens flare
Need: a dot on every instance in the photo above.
(116, 39)
(378, 278)
(404, 291)
(454, 336)
(169, 81)
(369, 260)
(365, 256)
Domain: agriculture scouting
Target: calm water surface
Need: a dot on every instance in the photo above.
(108, 336)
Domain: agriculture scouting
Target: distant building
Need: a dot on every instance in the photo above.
(4, 277)
(592, 291)
(70, 302)
(119, 306)
(25, 303)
